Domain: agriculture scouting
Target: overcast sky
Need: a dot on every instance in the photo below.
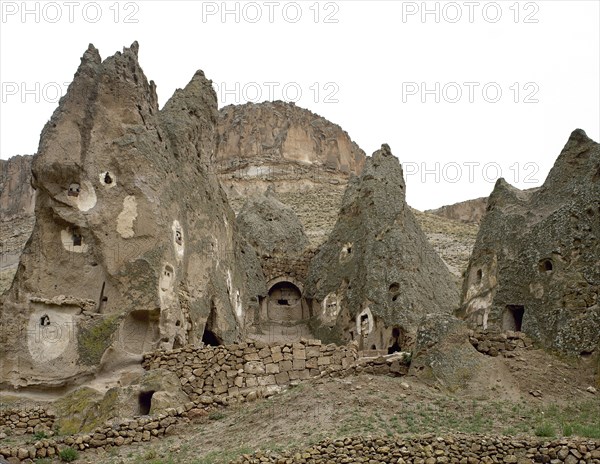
(463, 92)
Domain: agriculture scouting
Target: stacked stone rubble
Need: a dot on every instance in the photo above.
(495, 343)
(232, 372)
(429, 449)
(21, 421)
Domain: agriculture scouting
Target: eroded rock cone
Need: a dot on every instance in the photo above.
(376, 276)
(271, 227)
(535, 266)
(135, 246)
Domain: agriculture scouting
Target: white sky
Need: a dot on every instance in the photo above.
(374, 63)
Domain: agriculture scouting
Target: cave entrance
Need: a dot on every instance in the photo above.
(512, 318)
(209, 337)
(145, 402)
(285, 294)
(395, 346)
(284, 302)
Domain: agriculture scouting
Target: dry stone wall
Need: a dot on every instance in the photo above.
(212, 377)
(118, 433)
(499, 343)
(21, 421)
(244, 371)
(429, 449)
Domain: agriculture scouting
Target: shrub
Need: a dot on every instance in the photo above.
(545, 430)
(40, 435)
(68, 455)
(216, 415)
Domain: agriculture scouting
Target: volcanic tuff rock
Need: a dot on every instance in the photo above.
(305, 157)
(377, 275)
(442, 353)
(17, 196)
(536, 262)
(277, 132)
(470, 211)
(125, 256)
(84, 409)
(271, 227)
(17, 200)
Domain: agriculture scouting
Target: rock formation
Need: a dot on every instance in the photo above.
(125, 256)
(17, 200)
(305, 157)
(535, 266)
(470, 211)
(276, 233)
(377, 276)
(443, 355)
(17, 196)
(271, 227)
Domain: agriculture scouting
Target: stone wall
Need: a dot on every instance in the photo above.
(429, 449)
(243, 371)
(211, 376)
(123, 432)
(21, 421)
(495, 343)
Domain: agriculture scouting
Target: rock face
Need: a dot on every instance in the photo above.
(470, 211)
(17, 200)
(84, 409)
(125, 257)
(278, 138)
(308, 160)
(377, 276)
(276, 233)
(271, 227)
(535, 266)
(17, 196)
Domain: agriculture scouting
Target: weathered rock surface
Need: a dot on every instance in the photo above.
(152, 392)
(536, 262)
(17, 200)
(305, 157)
(125, 256)
(442, 354)
(377, 276)
(470, 211)
(276, 233)
(271, 227)
(17, 196)
(254, 137)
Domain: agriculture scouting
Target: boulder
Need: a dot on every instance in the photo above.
(442, 354)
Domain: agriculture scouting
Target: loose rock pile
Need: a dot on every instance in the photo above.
(499, 343)
(429, 449)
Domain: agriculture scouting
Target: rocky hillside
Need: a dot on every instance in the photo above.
(16, 192)
(304, 157)
(470, 211)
